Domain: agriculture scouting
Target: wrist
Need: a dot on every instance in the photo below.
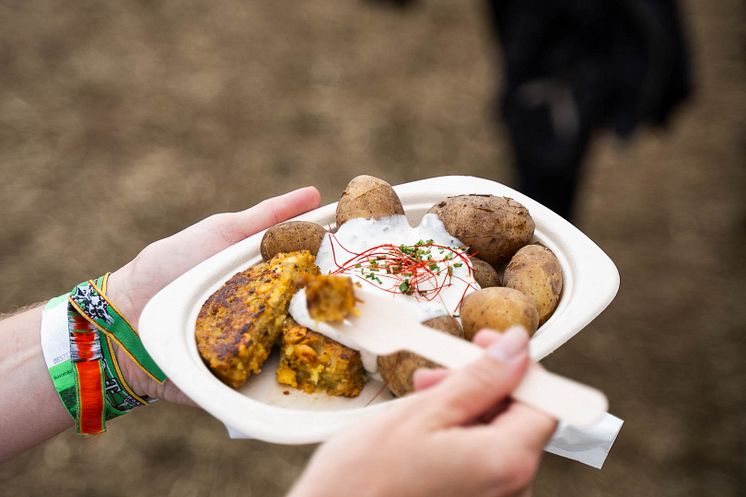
(120, 294)
(130, 298)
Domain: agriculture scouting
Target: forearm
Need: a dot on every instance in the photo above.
(30, 409)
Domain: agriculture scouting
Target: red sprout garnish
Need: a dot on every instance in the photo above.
(421, 270)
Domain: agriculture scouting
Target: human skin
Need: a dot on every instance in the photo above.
(459, 436)
(31, 411)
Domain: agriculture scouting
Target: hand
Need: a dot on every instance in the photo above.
(161, 262)
(460, 435)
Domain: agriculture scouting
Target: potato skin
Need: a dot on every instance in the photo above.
(369, 198)
(291, 236)
(484, 273)
(535, 271)
(497, 308)
(494, 227)
(397, 369)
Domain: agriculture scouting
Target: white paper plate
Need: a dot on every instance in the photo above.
(262, 409)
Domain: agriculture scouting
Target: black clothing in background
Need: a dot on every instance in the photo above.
(574, 66)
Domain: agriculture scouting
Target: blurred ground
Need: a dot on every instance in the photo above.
(147, 116)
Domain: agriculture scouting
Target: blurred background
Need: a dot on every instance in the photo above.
(123, 122)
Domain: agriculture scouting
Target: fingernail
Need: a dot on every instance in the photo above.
(510, 346)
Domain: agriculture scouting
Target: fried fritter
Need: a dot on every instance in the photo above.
(314, 363)
(329, 297)
(240, 322)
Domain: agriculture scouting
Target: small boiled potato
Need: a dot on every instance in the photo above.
(291, 236)
(497, 308)
(397, 369)
(484, 273)
(535, 271)
(367, 197)
(494, 227)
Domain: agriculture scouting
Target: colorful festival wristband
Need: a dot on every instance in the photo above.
(120, 397)
(77, 335)
(93, 305)
(85, 355)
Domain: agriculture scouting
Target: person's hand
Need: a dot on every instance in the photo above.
(460, 435)
(163, 261)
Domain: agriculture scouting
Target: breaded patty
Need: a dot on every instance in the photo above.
(314, 363)
(240, 322)
(330, 297)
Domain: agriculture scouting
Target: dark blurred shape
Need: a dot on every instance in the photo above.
(575, 66)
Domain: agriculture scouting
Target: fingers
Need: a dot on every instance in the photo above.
(516, 439)
(484, 338)
(272, 211)
(531, 427)
(468, 393)
(424, 378)
(162, 261)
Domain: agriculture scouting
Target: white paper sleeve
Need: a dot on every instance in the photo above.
(589, 445)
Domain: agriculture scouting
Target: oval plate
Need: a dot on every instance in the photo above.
(266, 410)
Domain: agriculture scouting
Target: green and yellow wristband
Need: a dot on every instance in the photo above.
(77, 335)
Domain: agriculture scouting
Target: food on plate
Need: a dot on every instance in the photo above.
(494, 227)
(423, 265)
(314, 363)
(329, 298)
(367, 197)
(397, 369)
(484, 273)
(535, 271)
(497, 308)
(449, 267)
(239, 323)
(291, 236)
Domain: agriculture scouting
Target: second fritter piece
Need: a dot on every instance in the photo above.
(239, 323)
(314, 363)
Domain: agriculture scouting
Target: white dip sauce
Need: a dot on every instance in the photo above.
(339, 254)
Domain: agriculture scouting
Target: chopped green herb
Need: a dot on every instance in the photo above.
(405, 288)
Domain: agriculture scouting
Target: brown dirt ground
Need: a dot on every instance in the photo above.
(132, 120)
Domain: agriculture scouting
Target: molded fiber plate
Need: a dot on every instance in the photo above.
(262, 409)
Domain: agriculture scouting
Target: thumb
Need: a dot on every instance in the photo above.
(468, 393)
